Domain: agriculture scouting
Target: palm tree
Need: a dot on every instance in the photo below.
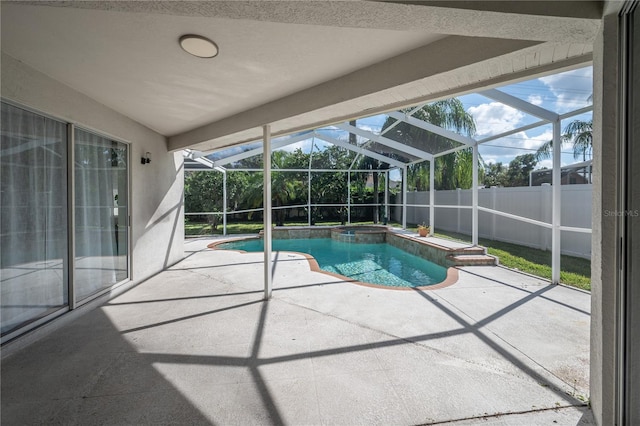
(286, 187)
(449, 114)
(368, 163)
(452, 170)
(463, 168)
(579, 133)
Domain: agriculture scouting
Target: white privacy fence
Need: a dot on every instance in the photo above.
(531, 204)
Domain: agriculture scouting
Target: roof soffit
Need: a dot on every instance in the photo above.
(569, 21)
(493, 35)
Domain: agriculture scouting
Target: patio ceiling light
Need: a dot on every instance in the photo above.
(198, 46)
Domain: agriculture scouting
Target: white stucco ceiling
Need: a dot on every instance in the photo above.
(132, 62)
(291, 64)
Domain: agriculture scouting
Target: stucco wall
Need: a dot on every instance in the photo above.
(604, 259)
(156, 198)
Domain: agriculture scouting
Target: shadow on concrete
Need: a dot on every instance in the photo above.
(87, 372)
(466, 271)
(237, 293)
(475, 330)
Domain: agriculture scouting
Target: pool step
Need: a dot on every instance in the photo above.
(472, 260)
(468, 251)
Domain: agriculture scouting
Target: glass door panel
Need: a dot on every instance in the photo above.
(33, 217)
(101, 211)
(632, 218)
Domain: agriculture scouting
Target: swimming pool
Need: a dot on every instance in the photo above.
(380, 264)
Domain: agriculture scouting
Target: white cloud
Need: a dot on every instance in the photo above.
(535, 99)
(369, 128)
(571, 88)
(304, 145)
(506, 149)
(518, 144)
(492, 159)
(494, 118)
(548, 164)
(523, 140)
(536, 141)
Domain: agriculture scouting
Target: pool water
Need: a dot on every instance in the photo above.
(381, 264)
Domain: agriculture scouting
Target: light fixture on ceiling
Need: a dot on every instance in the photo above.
(198, 46)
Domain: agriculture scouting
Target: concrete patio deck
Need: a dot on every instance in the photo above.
(197, 345)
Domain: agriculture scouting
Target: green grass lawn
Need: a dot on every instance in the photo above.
(575, 271)
(198, 228)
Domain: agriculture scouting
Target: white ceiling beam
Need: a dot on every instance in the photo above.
(386, 141)
(241, 156)
(257, 151)
(354, 161)
(573, 21)
(408, 67)
(191, 154)
(413, 111)
(350, 109)
(576, 112)
(359, 150)
(433, 128)
(514, 131)
(519, 104)
(449, 151)
(587, 9)
(204, 161)
(197, 157)
(413, 163)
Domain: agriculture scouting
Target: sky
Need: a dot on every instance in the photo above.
(559, 93)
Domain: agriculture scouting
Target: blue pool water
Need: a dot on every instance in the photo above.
(380, 264)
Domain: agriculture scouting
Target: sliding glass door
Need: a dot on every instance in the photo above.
(33, 216)
(631, 218)
(101, 213)
(50, 199)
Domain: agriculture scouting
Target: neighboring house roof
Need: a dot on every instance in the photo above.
(577, 173)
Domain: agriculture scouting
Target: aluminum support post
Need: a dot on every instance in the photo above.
(404, 197)
(349, 197)
(313, 144)
(556, 206)
(386, 197)
(266, 154)
(71, 217)
(224, 203)
(432, 196)
(474, 200)
(309, 197)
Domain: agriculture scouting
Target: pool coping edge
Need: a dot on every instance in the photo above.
(451, 278)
